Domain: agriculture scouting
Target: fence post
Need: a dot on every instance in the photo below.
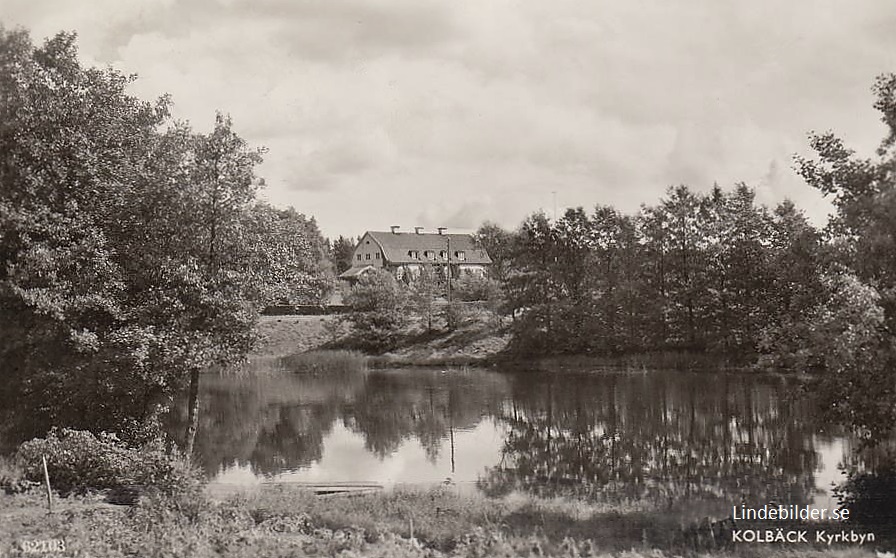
(47, 483)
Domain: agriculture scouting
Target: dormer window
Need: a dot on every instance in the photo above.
(414, 254)
(443, 254)
(429, 255)
(460, 255)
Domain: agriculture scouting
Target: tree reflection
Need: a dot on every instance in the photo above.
(662, 438)
(656, 438)
(422, 405)
(277, 423)
(268, 423)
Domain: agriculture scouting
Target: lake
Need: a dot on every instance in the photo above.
(705, 440)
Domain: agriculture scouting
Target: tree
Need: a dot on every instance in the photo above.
(74, 148)
(132, 258)
(423, 291)
(846, 340)
(735, 234)
(863, 234)
(499, 244)
(289, 246)
(341, 253)
(795, 263)
(377, 305)
(531, 287)
(682, 217)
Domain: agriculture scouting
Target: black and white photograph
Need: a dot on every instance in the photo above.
(447, 278)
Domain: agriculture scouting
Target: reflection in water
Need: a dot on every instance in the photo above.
(662, 437)
(280, 423)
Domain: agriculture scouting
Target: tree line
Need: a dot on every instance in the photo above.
(698, 271)
(718, 273)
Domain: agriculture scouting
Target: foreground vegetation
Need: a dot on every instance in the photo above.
(285, 522)
(172, 514)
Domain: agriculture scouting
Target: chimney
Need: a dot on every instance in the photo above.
(395, 229)
(442, 230)
(418, 229)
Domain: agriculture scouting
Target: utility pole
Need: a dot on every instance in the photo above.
(448, 268)
(451, 428)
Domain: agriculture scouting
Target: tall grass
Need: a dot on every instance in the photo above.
(285, 522)
(325, 363)
(634, 362)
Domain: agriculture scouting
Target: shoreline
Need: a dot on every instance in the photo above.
(477, 344)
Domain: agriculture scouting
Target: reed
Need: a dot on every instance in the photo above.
(320, 363)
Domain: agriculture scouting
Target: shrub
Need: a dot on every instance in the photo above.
(869, 497)
(377, 311)
(470, 288)
(78, 461)
(455, 315)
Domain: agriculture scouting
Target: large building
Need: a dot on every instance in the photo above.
(405, 254)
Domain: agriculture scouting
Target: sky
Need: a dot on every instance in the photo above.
(449, 113)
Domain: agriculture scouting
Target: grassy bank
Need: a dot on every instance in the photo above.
(289, 335)
(285, 522)
(635, 362)
(475, 342)
(478, 341)
(329, 363)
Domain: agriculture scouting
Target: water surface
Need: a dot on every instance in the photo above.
(597, 435)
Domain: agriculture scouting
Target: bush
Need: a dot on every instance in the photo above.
(455, 315)
(471, 288)
(78, 461)
(377, 307)
(869, 497)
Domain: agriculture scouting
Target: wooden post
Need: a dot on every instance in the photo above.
(448, 273)
(47, 483)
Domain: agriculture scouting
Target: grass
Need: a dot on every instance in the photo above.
(320, 363)
(478, 341)
(9, 470)
(635, 362)
(287, 522)
(286, 335)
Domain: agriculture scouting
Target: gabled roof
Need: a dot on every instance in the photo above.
(397, 245)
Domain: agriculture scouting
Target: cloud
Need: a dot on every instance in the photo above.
(378, 111)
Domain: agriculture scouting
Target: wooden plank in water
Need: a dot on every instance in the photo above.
(331, 488)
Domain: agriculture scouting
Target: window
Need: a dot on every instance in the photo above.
(429, 255)
(366, 256)
(359, 257)
(377, 255)
(443, 254)
(460, 255)
(414, 254)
